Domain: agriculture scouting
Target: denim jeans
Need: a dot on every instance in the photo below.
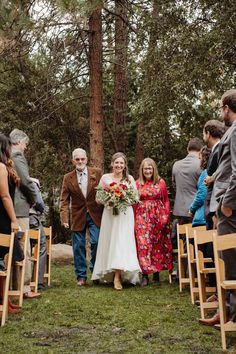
(79, 248)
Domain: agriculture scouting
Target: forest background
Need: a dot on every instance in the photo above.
(140, 77)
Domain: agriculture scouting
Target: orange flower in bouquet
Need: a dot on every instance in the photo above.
(117, 196)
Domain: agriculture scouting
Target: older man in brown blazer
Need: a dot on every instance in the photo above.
(79, 210)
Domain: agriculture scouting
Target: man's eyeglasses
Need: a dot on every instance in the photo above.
(82, 159)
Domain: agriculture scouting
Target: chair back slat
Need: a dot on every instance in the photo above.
(225, 242)
(190, 231)
(205, 236)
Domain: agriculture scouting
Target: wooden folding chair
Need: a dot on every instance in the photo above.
(222, 243)
(182, 255)
(6, 241)
(34, 236)
(47, 273)
(202, 237)
(192, 261)
(19, 269)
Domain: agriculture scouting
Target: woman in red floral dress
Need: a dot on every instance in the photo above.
(152, 227)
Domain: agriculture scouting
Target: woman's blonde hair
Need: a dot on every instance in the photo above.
(155, 176)
(125, 171)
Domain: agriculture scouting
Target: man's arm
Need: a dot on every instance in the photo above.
(229, 199)
(26, 184)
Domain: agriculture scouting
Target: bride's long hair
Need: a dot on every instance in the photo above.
(125, 171)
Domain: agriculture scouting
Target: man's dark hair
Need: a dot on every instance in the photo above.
(194, 144)
(215, 128)
(229, 99)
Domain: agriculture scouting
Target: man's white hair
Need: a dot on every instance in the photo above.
(17, 136)
(77, 151)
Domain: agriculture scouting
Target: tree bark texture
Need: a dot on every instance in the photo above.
(95, 74)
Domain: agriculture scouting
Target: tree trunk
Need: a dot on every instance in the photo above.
(95, 73)
(139, 148)
(120, 73)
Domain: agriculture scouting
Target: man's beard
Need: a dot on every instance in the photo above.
(227, 122)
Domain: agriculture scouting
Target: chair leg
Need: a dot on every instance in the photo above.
(4, 295)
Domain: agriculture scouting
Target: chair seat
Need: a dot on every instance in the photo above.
(3, 273)
(208, 260)
(230, 326)
(228, 284)
(208, 270)
(210, 305)
(185, 280)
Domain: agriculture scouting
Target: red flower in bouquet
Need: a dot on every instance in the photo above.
(117, 196)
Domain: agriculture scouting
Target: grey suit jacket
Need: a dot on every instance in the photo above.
(185, 174)
(225, 175)
(25, 195)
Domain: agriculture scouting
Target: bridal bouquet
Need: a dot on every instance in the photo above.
(117, 196)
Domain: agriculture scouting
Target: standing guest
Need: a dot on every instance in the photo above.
(117, 256)
(185, 174)
(78, 205)
(152, 229)
(8, 220)
(25, 196)
(224, 190)
(35, 213)
(212, 133)
(196, 210)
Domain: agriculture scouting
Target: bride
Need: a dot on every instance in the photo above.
(116, 258)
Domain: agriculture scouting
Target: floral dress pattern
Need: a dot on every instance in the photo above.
(152, 233)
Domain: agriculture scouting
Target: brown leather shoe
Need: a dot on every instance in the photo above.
(81, 282)
(210, 321)
(31, 295)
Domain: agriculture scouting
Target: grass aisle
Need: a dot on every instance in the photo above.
(97, 319)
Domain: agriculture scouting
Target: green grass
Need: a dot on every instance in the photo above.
(98, 319)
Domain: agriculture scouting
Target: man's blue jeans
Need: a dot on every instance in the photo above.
(79, 248)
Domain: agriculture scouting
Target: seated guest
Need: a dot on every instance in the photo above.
(152, 230)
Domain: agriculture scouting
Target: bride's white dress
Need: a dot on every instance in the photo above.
(116, 245)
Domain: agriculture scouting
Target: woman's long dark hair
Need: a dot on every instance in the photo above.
(5, 154)
(204, 156)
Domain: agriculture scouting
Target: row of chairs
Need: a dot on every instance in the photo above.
(190, 257)
(8, 241)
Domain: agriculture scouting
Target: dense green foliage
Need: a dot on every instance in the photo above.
(181, 58)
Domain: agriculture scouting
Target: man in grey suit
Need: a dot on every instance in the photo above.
(185, 174)
(25, 196)
(212, 133)
(225, 193)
